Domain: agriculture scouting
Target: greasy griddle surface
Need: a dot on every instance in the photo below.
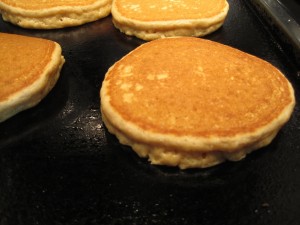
(58, 164)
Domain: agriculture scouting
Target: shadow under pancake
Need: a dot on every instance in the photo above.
(126, 41)
(26, 122)
(216, 176)
(69, 36)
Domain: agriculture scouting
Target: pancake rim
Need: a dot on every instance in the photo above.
(31, 95)
(150, 30)
(72, 15)
(157, 146)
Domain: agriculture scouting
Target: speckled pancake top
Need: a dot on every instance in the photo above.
(195, 87)
(164, 10)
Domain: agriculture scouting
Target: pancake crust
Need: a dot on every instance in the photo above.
(29, 68)
(149, 20)
(196, 108)
(51, 14)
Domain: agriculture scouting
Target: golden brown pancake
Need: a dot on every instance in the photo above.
(29, 68)
(153, 19)
(205, 104)
(50, 14)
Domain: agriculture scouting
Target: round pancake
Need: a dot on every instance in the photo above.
(190, 102)
(153, 19)
(51, 14)
(29, 69)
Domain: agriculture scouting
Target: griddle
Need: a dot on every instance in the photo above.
(59, 165)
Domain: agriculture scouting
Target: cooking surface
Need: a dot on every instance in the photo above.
(293, 8)
(58, 164)
(283, 19)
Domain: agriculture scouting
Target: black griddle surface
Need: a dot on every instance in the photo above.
(58, 164)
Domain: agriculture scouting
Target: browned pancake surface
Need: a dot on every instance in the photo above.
(23, 60)
(164, 10)
(189, 86)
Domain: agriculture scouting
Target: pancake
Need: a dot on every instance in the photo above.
(29, 69)
(194, 103)
(154, 19)
(51, 14)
